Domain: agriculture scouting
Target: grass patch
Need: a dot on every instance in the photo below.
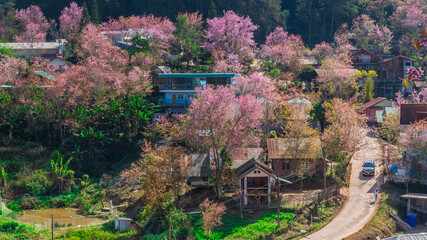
(262, 228)
(16, 230)
(103, 232)
(255, 226)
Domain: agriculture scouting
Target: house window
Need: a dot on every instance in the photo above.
(365, 58)
(180, 96)
(286, 165)
(305, 165)
(253, 182)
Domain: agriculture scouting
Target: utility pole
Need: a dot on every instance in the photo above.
(278, 203)
(324, 170)
(52, 225)
(241, 204)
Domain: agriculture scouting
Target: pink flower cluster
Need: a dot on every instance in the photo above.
(422, 42)
(415, 74)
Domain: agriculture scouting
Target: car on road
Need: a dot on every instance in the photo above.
(368, 167)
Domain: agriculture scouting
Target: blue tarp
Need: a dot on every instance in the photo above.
(393, 169)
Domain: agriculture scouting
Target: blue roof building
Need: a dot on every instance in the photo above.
(176, 90)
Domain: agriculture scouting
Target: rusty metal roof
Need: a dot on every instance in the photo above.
(415, 195)
(277, 148)
(242, 155)
(373, 102)
(412, 112)
(250, 164)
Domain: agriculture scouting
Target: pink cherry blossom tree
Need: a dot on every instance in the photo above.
(381, 37)
(70, 20)
(341, 40)
(257, 85)
(343, 137)
(368, 34)
(414, 143)
(410, 16)
(224, 63)
(282, 47)
(33, 24)
(322, 50)
(158, 31)
(414, 97)
(220, 121)
(11, 69)
(233, 34)
(102, 72)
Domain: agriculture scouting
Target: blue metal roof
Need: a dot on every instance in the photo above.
(46, 75)
(194, 75)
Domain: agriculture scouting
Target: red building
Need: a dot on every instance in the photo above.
(376, 109)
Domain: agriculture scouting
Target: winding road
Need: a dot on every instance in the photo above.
(360, 207)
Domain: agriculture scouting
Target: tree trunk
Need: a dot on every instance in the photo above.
(332, 22)
(301, 184)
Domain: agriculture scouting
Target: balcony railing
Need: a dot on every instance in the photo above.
(177, 87)
(174, 102)
(357, 61)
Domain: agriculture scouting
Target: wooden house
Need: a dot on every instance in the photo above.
(412, 112)
(200, 166)
(256, 180)
(376, 109)
(291, 156)
(392, 72)
(364, 59)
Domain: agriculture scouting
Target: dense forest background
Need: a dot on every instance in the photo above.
(314, 20)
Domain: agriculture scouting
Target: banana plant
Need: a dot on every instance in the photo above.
(62, 177)
(3, 178)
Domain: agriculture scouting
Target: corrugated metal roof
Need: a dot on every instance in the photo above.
(277, 147)
(400, 56)
(35, 45)
(343, 72)
(298, 100)
(251, 165)
(46, 75)
(308, 60)
(189, 75)
(413, 112)
(242, 155)
(299, 108)
(416, 236)
(198, 165)
(415, 195)
(373, 102)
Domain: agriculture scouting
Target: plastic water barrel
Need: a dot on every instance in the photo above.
(411, 219)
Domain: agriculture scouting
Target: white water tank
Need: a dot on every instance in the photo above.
(122, 224)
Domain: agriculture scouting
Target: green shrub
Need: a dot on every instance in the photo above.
(38, 183)
(104, 232)
(17, 230)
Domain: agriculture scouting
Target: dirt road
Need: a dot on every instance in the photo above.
(360, 207)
